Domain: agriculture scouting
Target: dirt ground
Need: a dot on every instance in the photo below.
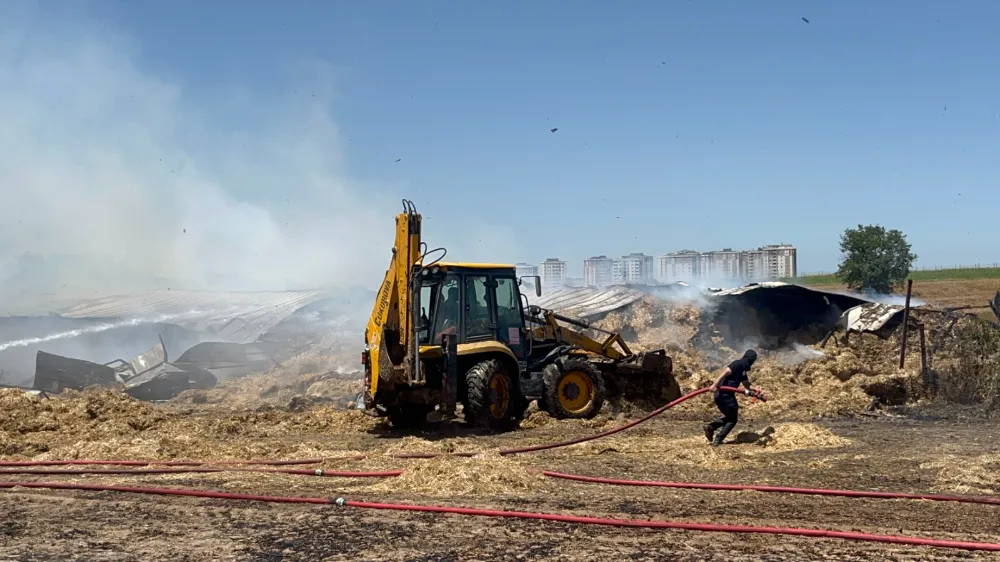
(951, 293)
(843, 416)
(892, 454)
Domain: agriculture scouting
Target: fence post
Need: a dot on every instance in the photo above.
(906, 323)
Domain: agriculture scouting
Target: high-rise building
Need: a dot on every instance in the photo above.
(598, 271)
(780, 260)
(720, 264)
(679, 266)
(617, 271)
(637, 268)
(553, 272)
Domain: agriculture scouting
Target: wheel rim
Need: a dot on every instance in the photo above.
(499, 396)
(576, 392)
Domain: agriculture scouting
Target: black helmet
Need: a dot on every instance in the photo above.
(750, 356)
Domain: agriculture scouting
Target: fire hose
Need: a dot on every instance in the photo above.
(200, 466)
(505, 452)
(571, 519)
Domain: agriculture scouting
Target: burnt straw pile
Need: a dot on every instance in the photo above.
(829, 367)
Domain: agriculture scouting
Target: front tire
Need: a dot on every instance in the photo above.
(492, 397)
(573, 389)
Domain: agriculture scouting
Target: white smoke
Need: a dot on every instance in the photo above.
(116, 179)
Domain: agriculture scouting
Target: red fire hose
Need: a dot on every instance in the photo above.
(777, 489)
(515, 451)
(817, 533)
(87, 462)
(577, 441)
(814, 533)
(203, 470)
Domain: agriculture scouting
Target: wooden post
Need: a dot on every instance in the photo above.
(930, 385)
(906, 323)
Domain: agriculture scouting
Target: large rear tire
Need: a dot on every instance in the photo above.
(492, 399)
(573, 389)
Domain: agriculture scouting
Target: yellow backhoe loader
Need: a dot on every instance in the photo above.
(446, 334)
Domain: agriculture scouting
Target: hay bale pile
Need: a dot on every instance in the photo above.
(484, 475)
(106, 424)
(851, 374)
(316, 376)
(653, 323)
(692, 450)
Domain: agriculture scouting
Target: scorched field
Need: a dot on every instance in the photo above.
(840, 416)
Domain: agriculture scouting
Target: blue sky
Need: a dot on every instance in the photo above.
(681, 124)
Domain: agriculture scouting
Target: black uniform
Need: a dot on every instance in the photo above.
(725, 400)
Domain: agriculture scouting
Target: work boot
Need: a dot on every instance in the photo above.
(721, 435)
(710, 431)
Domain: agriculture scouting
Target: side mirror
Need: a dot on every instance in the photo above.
(538, 285)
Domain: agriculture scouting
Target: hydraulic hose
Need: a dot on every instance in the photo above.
(776, 489)
(570, 519)
(203, 470)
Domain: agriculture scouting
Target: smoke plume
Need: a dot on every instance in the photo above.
(115, 179)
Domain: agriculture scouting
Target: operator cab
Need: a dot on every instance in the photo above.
(475, 303)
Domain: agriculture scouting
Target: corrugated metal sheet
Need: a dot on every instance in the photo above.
(746, 288)
(869, 317)
(583, 302)
(239, 317)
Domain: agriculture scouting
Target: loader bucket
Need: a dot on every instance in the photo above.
(644, 380)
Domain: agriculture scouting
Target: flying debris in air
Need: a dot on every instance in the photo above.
(553, 130)
(805, 19)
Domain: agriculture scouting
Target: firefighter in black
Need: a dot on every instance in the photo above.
(733, 376)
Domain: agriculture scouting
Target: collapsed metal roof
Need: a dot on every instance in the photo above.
(750, 287)
(237, 317)
(583, 302)
(870, 317)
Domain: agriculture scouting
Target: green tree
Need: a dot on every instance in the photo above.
(874, 259)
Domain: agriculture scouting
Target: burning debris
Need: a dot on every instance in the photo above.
(214, 337)
(147, 377)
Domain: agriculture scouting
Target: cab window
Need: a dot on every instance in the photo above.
(477, 311)
(447, 314)
(508, 305)
(428, 302)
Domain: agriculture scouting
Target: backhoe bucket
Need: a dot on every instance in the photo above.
(644, 380)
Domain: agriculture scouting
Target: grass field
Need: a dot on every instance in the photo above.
(923, 275)
(970, 287)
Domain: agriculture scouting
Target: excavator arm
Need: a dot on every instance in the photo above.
(612, 347)
(390, 337)
(644, 376)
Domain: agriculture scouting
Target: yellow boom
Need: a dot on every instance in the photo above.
(390, 334)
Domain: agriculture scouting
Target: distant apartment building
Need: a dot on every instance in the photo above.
(679, 266)
(720, 264)
(617, 272)
(598, 271)
(553, 272)
(637, 268)
(779, 261)
(526, 270)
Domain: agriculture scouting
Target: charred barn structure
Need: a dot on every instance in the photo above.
(157, 344)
